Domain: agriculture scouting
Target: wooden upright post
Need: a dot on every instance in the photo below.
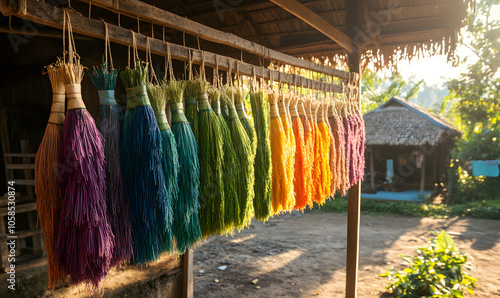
(188, 286)
(353, 19)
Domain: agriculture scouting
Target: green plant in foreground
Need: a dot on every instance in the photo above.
(435, 272)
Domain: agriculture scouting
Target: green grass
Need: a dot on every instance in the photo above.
(484, 209)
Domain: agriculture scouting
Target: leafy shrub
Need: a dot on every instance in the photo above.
(437, 271)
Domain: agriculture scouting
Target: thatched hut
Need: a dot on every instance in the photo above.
(414, 138)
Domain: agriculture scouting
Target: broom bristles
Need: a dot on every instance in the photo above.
(288, 201)
(263, 166)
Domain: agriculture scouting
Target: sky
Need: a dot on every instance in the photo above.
(435, 71)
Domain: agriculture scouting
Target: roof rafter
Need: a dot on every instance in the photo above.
(314, 20)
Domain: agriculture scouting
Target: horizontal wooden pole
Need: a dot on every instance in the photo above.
(49, 15)
(161, 17)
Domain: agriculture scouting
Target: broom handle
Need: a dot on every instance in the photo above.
(74, 94)
(57, 109)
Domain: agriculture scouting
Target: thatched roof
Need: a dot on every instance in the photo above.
(400, 123)
(390, 30)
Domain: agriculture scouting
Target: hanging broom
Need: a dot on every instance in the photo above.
(170, 158)
(279, 183)
(143, 173)
(239, 102)
(332, 153)
(187, 230)
(85, 241)
(288, 202)
(49, 195)
(309, 138)
(211, 154)
(263, 167)
(335, 161)
(191, 105)
(343, 131)
(245, 156)
(317, 183)
(326, 174)
(230, 167)
(300, 173)
(361, 144)
(110, 126)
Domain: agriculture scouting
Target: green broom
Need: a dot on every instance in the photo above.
(230, 166)
(211, 168)
(191, 112)
(263, 166)
(245, 156)
(239, 99)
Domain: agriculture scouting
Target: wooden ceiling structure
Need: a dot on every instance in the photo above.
(255, 33)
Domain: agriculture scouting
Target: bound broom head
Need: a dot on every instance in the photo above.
(192, 87)
(228, 95)
(140, 75)
(158, 97)
(175, 91)
(73, 70)
(103, 77)
(127, 77)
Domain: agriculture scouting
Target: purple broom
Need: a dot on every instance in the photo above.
(85, 241)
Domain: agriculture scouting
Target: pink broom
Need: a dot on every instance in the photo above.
(84, 242)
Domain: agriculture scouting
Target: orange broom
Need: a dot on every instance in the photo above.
(308, 150)
(326, 174)
(317, 185)
(288, 201)
(311, 148)
(49, 196)
(278, 155)
(300, 184)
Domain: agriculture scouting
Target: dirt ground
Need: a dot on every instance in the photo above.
(303, 255)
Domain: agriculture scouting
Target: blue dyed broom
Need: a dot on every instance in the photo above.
(170, 158)
(187, 230)
(110, 126)
(85, 241)
(143, 172)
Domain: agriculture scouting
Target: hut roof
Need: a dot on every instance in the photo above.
(400, 123)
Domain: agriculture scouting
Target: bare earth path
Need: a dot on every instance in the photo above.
(303, 255)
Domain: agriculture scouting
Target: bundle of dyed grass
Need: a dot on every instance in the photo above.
(344, 172)
(230, 167)
(170, 157)
(309, 139)
(263, 167)
(300, 172)
(316, 146)
(210, 143)
(361, 144)
(143, 171)
(110, 126)
(187, 230)
(85, 241)
(245, 156)
(239, 103)
(337, 144)
(289, 200)
(279, 182)
(191, 94)
(323, 153)
(49, 195)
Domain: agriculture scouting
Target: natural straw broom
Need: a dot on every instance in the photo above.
(48, 193)
(110, 126)
(187, 230)
(85, 241)
(244, 153)
(263, 167)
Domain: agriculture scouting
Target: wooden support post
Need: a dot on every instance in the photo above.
(353, 21)
(188, 285)
(422, 174)
(372, 167)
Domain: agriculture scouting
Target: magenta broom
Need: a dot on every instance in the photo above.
(85, 241)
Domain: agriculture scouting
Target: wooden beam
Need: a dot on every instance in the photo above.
(161, 17)
(49, 15)
(314, 20)
(188, 284)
